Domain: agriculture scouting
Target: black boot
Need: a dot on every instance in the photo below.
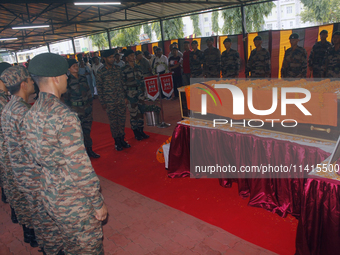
(29, 236)
(91, 153)
(13, 216)
(145, 136)
(118, 144)
(43, 251)
(61, 253)
(124, 144)
(3, 196)
(33, 241)
(138, 136)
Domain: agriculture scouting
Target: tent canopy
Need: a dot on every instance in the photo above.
(67, 20)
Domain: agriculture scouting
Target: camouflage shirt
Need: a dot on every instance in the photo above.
(332, 68)
(196, 64)
(109, 85)
(3, 102)
(132, 77)
(230, 63)
(318, 54)
(258, 64)
(78, 92)
(212, 61)
(27, 173)
(294, 63)
(53, 136)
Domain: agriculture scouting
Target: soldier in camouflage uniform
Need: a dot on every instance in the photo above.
(79, 98)
(53, 137)
(3, 102)
(332, 65)
(230, 61)
(27, 173)
(196, 60)
(134, 87)
(318, 54)
(212, 60)
(259, 61)
(112, 97)
(295, 60)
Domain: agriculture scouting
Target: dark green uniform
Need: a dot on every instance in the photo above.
(258, 64)
(230, 63)
(332, 68)
(196, 63)
(317, 58)
(3, 102)
(79, 98)
(212, 63)
(294, 63)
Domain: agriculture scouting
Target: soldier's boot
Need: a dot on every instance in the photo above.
(29, 236)
(61, 253)
(43, 251)
(13, 216)
(118, 144)
(91, 153)
(124, 143)
(138, 135)
(3, 196)
(145, 136)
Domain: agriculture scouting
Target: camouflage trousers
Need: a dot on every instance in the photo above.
(2, 175)
(86, 118)
(318, 73)
(46, 231)
(136, 107)
(117, 116)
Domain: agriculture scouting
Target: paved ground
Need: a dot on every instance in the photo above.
(138, 225)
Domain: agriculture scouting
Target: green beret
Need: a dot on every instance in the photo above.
(108, 53)
(227, 40)
(128, 52)
(138, 52)
(336, 33)
(71, 62)
(324, 32)
(210, 39)
(14, 75)
(258, 38)
(294, 36)
(48, 65)
(194, 42)
(4, 66)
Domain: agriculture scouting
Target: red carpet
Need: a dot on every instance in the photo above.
(137, 169)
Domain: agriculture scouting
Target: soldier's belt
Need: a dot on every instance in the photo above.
(78, 103)
(132, 88)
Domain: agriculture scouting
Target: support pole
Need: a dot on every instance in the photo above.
(48, 47)
(244, 33)
(162, 33)
(74, 46)
(109, 38)
(16, 57)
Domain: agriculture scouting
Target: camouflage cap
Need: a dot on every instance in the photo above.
(294, 36)
(128, 52)
(71, 62)
(323, 32)
(14, 75)
(227, 40)
(259, 38)
(210, 39)
(336, 33)
(4, 66)
(48, 65)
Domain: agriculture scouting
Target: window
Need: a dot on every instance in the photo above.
(185, 27)
(291, 24)
(269, 26)
(21, 58)
(77, 44)
(207, 34)
(206, 19)
(289, 9)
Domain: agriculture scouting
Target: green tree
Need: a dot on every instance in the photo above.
(321, 11)
(126, 37)
(147, 30)
(99, 40)
(195, 23)
(214, 20)
(254, 15)
(173, 29)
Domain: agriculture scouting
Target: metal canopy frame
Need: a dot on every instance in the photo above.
(69, 21)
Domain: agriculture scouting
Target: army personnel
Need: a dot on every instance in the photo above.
(134, 87)
(230, 61)
(143, 63)
(212, 60)
(79, 98)
(3, 102)
(112, 97)
(259, 61)
(196, 60)
(295, 60)
(53, 137)
(332, 66)
(318, 54)
(26, 171)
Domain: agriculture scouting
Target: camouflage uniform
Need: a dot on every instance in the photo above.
(79, 98)
(258, 64)
(317, 57)
(111, 93)
(134, 87)
(28, 175)
(294, 63)
(69, 185)
(3, 102)
(196, 64)
(212, 63)
(332, 68)
(230, 63)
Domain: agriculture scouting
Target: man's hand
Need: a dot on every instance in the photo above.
(101, 214)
